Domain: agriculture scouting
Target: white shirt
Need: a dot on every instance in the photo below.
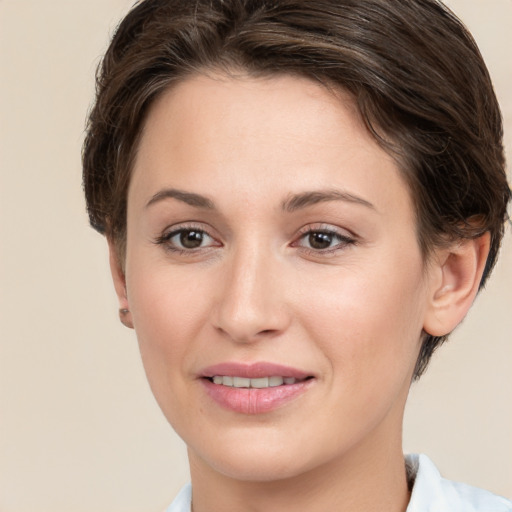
(433, 493)
(430, 493)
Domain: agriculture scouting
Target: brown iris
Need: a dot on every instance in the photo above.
(191, 239)
(320, 240)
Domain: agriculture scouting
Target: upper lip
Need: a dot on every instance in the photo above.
(253, 370)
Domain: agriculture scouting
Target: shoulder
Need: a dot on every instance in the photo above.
(433, 493)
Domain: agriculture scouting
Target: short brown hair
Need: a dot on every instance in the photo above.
(413, 69)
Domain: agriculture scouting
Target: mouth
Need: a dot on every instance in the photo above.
(254, 388)
(257, 383)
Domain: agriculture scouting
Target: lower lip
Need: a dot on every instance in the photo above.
(254, 400)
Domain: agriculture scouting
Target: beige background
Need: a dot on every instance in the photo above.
(79, 429)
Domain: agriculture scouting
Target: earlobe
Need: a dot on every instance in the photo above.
(455, 278)
(119, 280)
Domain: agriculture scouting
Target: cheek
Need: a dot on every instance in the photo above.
(169, 313)
(368, 320)
(167, 304)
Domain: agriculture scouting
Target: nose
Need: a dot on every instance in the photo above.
(251, 305)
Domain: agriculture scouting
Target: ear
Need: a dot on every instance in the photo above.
(455, 275)
(119, 279)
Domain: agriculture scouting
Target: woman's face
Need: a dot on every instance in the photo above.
(271, 245)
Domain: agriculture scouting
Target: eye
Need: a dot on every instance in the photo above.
(187, 239)
(320, 240)
(323, 240)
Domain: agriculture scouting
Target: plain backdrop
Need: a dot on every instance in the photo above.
(79, 428)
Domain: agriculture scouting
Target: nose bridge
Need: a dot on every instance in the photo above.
(251, 305)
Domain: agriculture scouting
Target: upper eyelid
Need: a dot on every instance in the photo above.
(327, 228)
(342, 237)
(171, 231)
(188, 225)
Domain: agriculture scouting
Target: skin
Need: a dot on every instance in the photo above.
(351, 315)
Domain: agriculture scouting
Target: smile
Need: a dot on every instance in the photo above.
(258, 383)
(254, 388)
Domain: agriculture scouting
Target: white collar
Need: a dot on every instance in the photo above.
(433, 493)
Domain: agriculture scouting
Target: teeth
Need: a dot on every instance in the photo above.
(275, 381)
(241, 382)
(260, 383)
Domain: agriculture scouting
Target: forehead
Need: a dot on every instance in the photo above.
(244, 134)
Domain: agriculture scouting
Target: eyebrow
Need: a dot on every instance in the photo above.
(293, 203)
(189, 198)
(305, 199)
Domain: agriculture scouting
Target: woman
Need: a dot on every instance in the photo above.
(301, 199)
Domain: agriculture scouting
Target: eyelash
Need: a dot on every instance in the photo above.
(342, 240)
(165, 240)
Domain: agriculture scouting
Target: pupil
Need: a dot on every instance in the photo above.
(320, 240)
(191, 239)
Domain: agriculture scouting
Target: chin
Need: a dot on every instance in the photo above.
(258, 458)
(261, 468)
